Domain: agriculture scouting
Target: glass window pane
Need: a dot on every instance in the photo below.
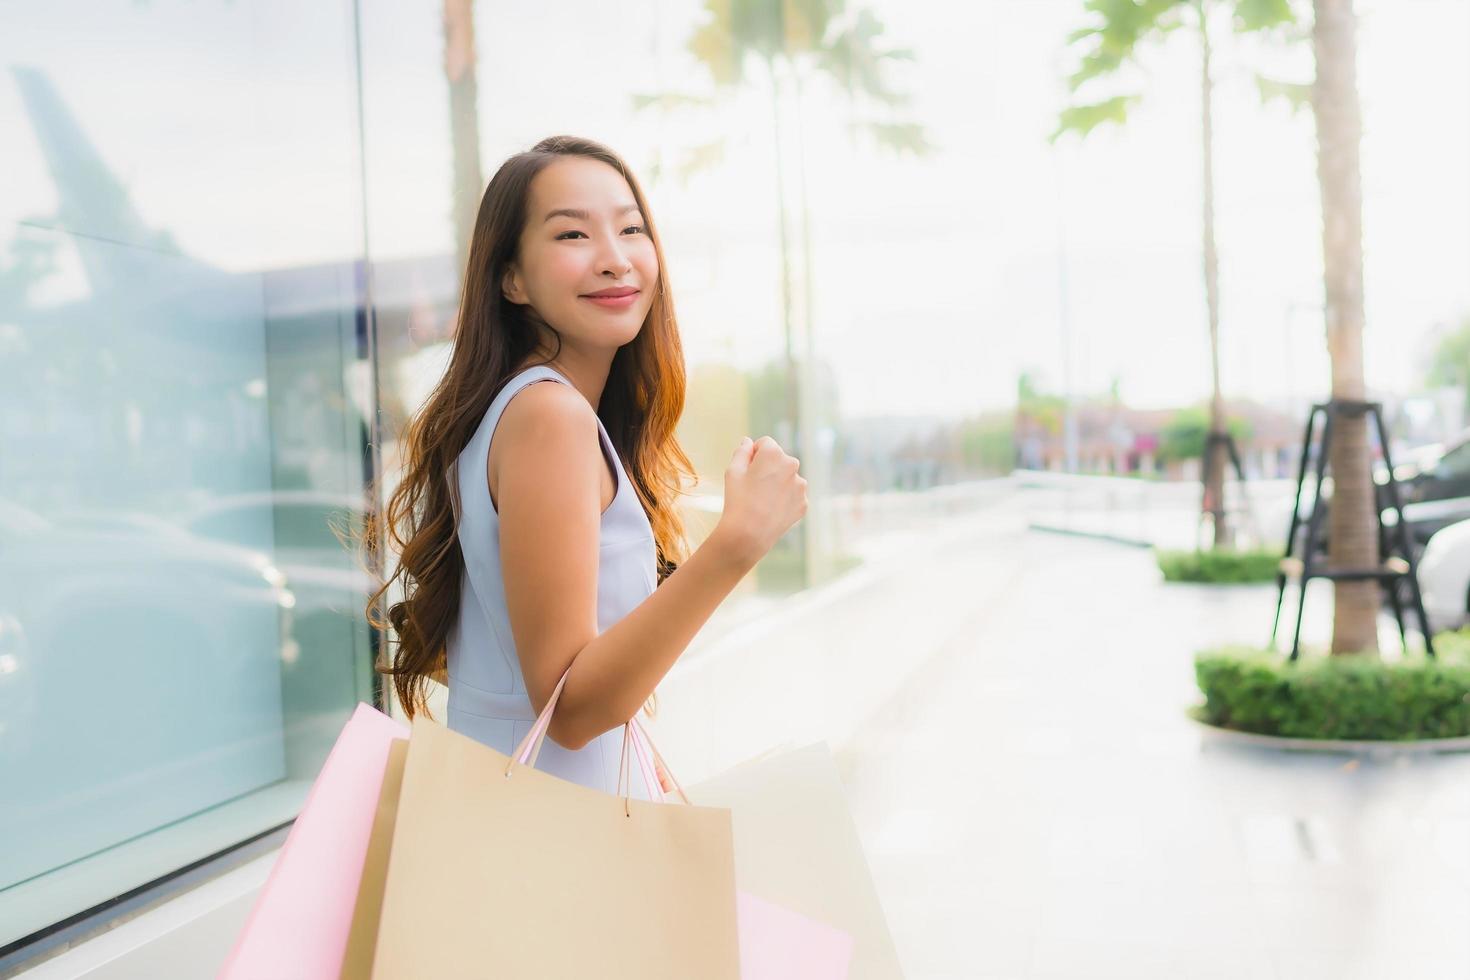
(181, 633)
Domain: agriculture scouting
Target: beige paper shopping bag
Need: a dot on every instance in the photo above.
(362, 937)
(496, 869)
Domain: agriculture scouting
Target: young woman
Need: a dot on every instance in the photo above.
(542, 530)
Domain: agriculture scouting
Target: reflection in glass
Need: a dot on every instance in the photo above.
(180, 630)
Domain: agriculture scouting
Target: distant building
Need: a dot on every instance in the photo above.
(1113, 438)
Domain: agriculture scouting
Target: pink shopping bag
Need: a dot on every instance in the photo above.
(298, 927)
(778, 943)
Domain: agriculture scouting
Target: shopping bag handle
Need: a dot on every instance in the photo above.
(634, 734)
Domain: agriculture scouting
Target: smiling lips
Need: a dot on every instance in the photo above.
(617, 298)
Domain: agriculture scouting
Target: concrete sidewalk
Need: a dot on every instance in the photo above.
(1008, 711)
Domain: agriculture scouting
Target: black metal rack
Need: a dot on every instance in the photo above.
(1393, 569)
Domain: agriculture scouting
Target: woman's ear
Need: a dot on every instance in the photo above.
(510, 286)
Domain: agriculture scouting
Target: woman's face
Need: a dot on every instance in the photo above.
(601, 245)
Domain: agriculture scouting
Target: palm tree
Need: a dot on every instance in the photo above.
(1352, 520)
(464, 121)
(396, 343)
(1109, 44)
(1333, 96)
(790, 45)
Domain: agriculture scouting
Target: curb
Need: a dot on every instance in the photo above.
(1095, 535)
(1331, 746)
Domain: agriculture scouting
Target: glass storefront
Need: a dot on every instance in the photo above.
(183, 420)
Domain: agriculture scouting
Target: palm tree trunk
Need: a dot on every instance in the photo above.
(785, 248)
(815, 543)
(793, 400)
(464, 121)
(1217, 458)
(1353, 539)
(395, 342)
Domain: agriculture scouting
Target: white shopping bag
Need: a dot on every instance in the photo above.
(796, 845)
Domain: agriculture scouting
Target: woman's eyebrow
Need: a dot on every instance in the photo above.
(582, 215)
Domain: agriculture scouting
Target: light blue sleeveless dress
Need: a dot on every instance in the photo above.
(487, 694)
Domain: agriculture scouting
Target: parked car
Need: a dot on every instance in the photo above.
(1444, 577)
(140, 669)
(1434, 491)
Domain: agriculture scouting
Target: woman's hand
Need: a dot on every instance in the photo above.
(663, 776)
(764, 497)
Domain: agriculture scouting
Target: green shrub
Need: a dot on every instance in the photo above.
(1340, 697)
(1222, 566)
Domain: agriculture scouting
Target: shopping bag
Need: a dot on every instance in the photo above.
(299, 925)
(796, 845)
(775, 943)
(495, 869)
(362, 937)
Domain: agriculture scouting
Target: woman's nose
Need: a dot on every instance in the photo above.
(614, 260)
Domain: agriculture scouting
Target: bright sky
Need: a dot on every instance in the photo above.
(937, 281)
(976, 250)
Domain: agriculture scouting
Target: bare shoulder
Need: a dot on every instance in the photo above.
(545, 407)
(548, 428)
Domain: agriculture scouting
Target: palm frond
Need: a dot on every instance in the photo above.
(1083, 119)
(1297, 95)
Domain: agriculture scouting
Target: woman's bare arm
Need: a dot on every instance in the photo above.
(616, 672)
(550, 521)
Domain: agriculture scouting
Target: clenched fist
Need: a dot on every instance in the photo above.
(764, 497)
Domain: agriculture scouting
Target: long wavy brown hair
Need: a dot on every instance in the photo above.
(640, 407)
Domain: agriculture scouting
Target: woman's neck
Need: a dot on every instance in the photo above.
(587, 373)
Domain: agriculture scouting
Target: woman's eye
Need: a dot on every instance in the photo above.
(638, 228)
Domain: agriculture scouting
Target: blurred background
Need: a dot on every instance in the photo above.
(1004, 274)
